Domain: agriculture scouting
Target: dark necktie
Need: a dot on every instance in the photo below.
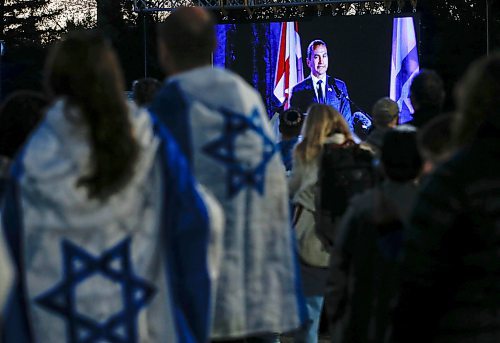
(321, 98)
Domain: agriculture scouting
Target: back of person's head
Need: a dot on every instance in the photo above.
(20, 114)
(144, 90)
(322, 121)
(83, 69)
(434, 141)
(291, 123)
(427, 90)
(385, 113)
(186, 39)
(478, 98)
(400, 157)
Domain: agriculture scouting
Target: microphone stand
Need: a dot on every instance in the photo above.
(342, 95)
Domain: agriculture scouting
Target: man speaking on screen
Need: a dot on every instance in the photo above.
(320, 87)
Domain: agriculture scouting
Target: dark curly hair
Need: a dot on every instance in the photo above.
(145, 90)
(291, 122)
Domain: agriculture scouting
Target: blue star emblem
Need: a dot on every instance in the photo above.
(223, 149)
(115, 265)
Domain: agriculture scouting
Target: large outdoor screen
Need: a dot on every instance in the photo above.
(359, 50)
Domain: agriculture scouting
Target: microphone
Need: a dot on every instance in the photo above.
(361, 124)
(341, 95)
(337, 90)
(362, 118)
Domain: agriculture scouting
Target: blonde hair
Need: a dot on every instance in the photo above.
(321, 122)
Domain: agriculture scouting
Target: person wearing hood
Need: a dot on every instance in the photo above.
(108, 231)
(221, 125)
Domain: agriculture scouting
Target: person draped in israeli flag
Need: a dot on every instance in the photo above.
(220, 123)
(108, 229)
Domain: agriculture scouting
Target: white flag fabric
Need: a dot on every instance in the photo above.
(289, 69)
(404, 65)
(221, 125)
(132, 268)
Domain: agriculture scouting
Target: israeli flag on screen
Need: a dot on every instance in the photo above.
(404, 65)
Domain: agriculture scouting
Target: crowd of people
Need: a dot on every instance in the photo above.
(182, 218)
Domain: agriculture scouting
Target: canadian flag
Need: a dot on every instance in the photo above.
(289, 70)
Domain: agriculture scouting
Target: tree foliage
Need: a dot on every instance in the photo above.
(73, 14)
(23, 21)
(452, 32)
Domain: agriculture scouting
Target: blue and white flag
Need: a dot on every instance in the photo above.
(221, 124)
(404, 65)
(132, 268)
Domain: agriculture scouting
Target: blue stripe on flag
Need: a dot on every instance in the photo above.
(404, 65)
(186, 233)
(407, 69)
(405, 115)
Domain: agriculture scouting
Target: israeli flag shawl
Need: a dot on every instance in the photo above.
(130, 269)
(221, 125)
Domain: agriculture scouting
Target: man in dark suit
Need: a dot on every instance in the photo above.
(319, 87)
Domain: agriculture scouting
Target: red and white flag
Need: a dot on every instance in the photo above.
(289, 63)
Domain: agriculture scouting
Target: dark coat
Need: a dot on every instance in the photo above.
(303, 95)
(364, 268)
(451, 285)
(376, 138)
(286, 150)
(423, 115)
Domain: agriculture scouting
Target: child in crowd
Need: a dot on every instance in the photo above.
(290, 126)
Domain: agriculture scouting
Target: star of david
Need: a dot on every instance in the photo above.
(223, 149)
(115, 265)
